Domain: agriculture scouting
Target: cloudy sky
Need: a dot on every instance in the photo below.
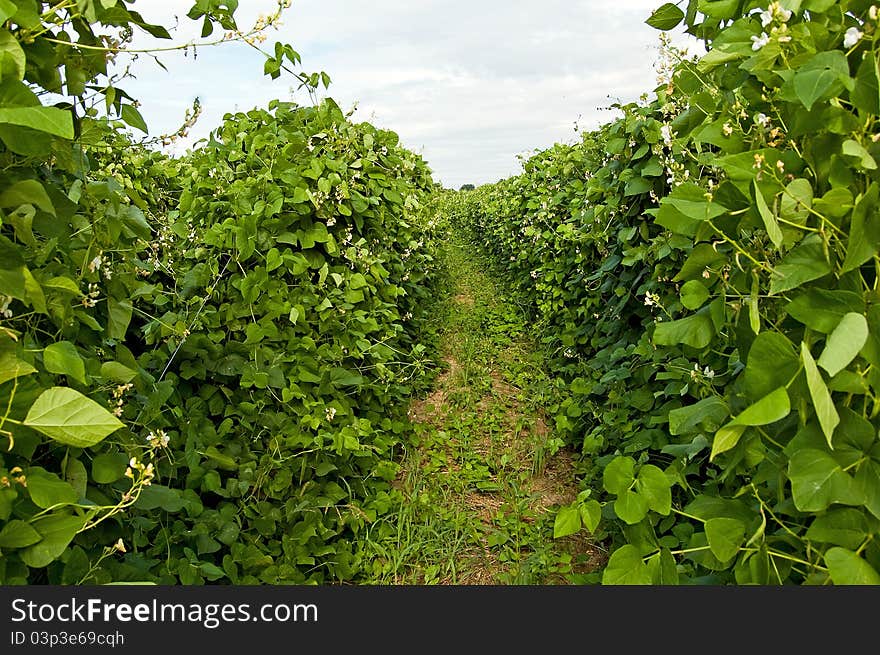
(468, 84)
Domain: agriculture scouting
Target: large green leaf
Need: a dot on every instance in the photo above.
(771, 408)
(822, 309)
(625, 567)
(818, 481)
(56, 532)
(693, 294)
(725, 536)
(12, 367)
(64, 359)
(618, 475)
(18, 534)
(821, 77)
(846, 568)
(71, 418)
(44, 119)
(27, 192)
(845, 527)
(822, 401)
(12, 57)
(568, 521)
(772, 363)
(804, 263)
(653, 485)
(47, 489)
(631, 507)
(695, 331)
(844, 343)
(704, 415)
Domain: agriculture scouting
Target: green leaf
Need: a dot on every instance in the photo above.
(631, 507)
(864, 233)
(726, 438)
(844, 343)
(118, 317)
(159, 496)
(18, 534)
(723, 9)
(822, 309)
(845, 527)
(818, 481)
(797, 200)
(821, 77)
(591, 514)
(693, 294)
(822, 402)
(109, 467)
(702, 257)
(57, 531)
(855, 150)
(12, 367)
(771, 408)
(666, 17)
(7, 10)
(771, 363)
(705, 415)
(117, 372)
(625, 567)
(44, 119)
(695, 331)
(47, 489)
(865, 96)
(133, 117)
(71, 418)
(847, 568)
(568, 521)
(725, 536)
(663, 568)
(618, 475)
(653, 485)
(63, 358)
(27, 192)
(63, 284)
(76, 476)
(12, 57)
(770, 223)
(804, 263)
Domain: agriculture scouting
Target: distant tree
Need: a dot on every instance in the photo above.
(467, 187)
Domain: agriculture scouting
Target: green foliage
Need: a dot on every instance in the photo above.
(705, 268)
(203, 360)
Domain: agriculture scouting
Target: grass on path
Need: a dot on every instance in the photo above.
(483, 475)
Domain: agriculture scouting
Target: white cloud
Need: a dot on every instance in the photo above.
(469, 84)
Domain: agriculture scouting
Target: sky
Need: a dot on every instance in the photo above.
(469, 85)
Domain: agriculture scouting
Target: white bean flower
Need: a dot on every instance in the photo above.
(851, 37)
(759, 42)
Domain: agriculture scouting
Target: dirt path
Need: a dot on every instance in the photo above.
(484, 475)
